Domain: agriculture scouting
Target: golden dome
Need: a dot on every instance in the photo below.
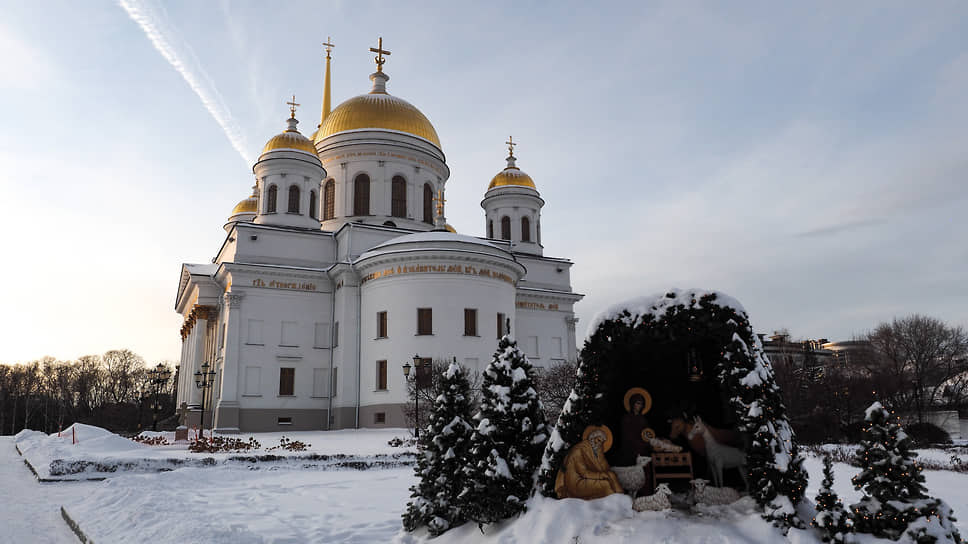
(290, 140)
(512, 175)
(450, 228)
(378, 111)
(249, 205)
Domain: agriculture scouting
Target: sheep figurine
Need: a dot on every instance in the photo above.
(633, 478)
(703, 494)
(656, 502)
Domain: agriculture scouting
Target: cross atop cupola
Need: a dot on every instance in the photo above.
(511, 159)
(380, 51)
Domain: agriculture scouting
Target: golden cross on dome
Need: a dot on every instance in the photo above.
(292, 107)
(380, 51)
(511, 145)
(328, 45)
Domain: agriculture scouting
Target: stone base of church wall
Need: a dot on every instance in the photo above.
(227, 418)
(392, 413)
(193, 419)
(255, 420)
(344, 417)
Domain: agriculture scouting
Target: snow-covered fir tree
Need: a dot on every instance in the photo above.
(895, 502)
(507, 443)
(442, 458)
(832, 519)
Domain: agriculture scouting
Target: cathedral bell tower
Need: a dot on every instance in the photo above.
(289, 175)
(512, 208)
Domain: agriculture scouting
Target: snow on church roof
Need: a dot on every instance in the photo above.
(657, 305)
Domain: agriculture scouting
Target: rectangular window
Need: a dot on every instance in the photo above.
(253, 377)
(335, 380)
(320, 382)
(254, 332)
(321, 335)
(288, 335)
(472, 365)
(381, 324)
(500, 325)
(531, 346)
(381, 375)
(556, 346)
(470, 322)
(425, 321)
(287, 379)
(380, 417)
(284, 421)
(336, 334)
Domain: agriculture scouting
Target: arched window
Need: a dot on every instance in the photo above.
(313, 203)
(505, 228)
(398, 197)
(428, 204)
(538, 227)
(490, 228)
(361, 195)
(293, 199)
(329, 199)
(525, 229)
(271, 199)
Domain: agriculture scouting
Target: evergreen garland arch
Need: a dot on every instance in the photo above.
(640, 333)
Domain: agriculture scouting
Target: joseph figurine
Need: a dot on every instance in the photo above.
(585, 473)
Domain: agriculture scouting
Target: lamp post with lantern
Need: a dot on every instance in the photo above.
(158, 376)
(204, 379)
(417, 365)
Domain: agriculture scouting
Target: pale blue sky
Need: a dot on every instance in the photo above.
(809, 159)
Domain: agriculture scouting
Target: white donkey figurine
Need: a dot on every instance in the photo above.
(719, 456)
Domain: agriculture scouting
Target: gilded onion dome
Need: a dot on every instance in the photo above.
(249, 205)
(511, 175)
(290, 139)
(378, 110)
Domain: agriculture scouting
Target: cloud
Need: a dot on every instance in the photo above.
(179, 54)
(26, 67)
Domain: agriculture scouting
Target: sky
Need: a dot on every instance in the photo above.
(808, 159)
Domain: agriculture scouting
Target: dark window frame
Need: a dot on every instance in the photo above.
(329, 199)
(425, 321)
(398, 197)
(470, 321)
(361, 195)
(382, 325)
(272, 198)
(428, 204)
(294, 196)
(382, 375)
(505, 228)
(287, 381)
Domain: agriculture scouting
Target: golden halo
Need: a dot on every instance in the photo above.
(648, 434)
(608, 435)
(645, 395)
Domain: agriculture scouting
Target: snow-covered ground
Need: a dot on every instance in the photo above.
(306, 501)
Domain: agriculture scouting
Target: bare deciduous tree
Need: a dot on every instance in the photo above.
(554, 384)
(919, 356)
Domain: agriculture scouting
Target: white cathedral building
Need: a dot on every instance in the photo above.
(340, 268)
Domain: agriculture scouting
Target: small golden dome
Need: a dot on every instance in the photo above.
(512, 175)
(378, 111)
(290, 140)
(249, 205)
(450, 228)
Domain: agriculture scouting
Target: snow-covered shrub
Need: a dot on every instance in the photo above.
(832, 520)
(442, 458)
(895, 502)
(624, 335)
(509, 437)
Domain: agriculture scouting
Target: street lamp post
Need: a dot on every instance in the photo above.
(417, 363)
(204, 379)
(157, 376)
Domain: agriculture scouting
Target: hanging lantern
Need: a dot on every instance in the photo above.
(694, 366)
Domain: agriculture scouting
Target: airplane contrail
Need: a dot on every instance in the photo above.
(181, 57)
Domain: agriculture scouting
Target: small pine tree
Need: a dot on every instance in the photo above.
(832, 519)
(895, 502)
(443, 454)
(506, 445)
